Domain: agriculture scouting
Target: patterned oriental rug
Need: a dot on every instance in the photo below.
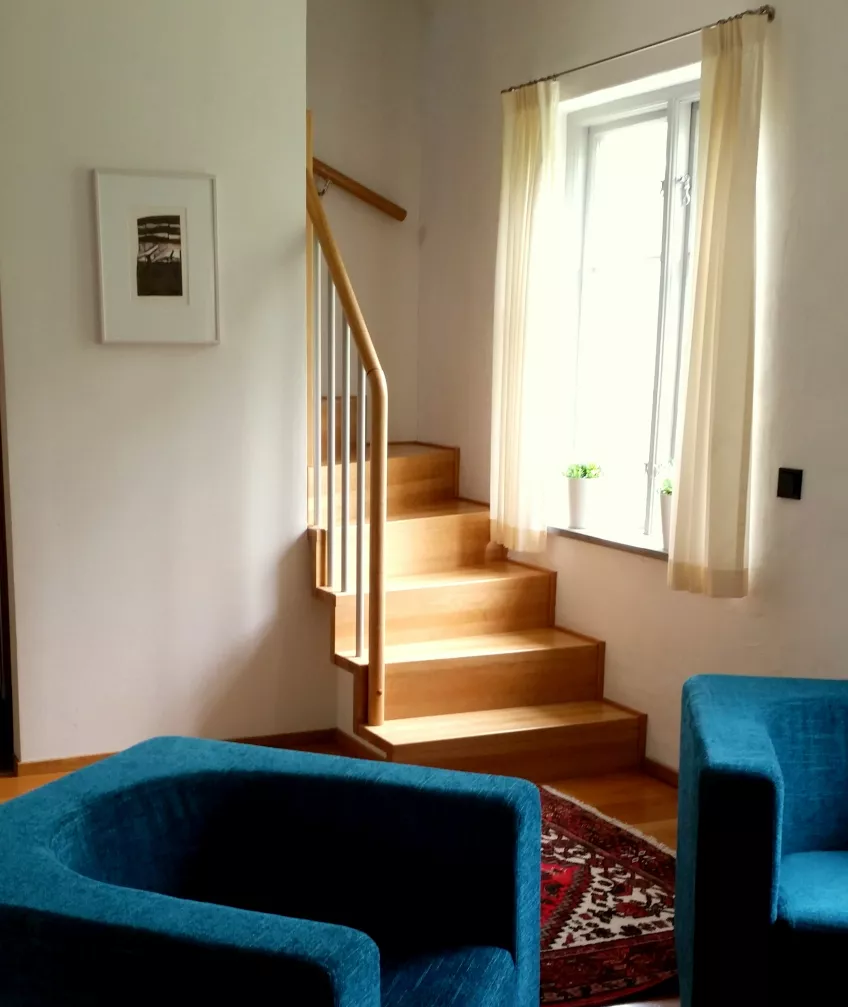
(607, 907)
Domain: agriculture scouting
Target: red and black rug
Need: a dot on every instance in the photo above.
(607, 907)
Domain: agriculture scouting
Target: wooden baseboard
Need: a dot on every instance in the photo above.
(660, 772)
(298, 739)
(346, 744)
(45, 767)
(355, 748)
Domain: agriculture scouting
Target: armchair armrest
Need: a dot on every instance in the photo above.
(111, 945)
(730, 811)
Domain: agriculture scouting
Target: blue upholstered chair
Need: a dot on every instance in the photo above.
(762, 873)
(196, 872)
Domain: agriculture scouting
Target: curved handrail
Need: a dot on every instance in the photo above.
(379, 399)
(381, 203)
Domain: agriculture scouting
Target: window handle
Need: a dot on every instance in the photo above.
(685, 184)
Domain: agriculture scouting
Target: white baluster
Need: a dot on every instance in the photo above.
(316, 393)
(331, 432)
(345, 449)
(361, 410)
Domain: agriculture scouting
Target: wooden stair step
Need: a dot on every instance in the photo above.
(419, 476)
(454, 507)
(552, 741)
(439, 536)
(496, 670)
(463, 728)
(494, 598)
(485, 645)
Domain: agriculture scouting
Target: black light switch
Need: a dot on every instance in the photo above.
(789, 483)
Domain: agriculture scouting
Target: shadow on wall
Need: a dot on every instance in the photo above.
(283, 681)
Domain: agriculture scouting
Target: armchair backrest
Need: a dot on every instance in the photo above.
(810, 738)
(395, 861)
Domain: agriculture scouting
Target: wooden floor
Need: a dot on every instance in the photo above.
(632, 798)
(14, 786)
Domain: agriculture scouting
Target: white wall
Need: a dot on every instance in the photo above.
(364, 92)
(794, 622)
(157, 494)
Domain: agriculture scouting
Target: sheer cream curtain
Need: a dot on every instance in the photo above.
(525, 312)
(709, 551)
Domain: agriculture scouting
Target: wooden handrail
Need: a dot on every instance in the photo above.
(359, 190)
(378, 397)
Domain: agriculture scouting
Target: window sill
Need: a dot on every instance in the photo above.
(641, 545)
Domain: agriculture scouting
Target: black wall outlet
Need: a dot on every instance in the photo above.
(789, 483)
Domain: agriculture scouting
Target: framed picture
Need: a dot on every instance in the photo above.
(158, 250)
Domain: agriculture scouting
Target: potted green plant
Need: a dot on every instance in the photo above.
(666, 493)
(580, 479)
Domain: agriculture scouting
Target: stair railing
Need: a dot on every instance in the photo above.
(372, 394)
(333, 176)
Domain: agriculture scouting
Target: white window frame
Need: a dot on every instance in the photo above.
(680, 103)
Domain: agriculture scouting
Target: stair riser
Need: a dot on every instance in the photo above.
(439, 613)
(421, 481)
(426, 545)
(493, 682)
(555, 754)
(414, 482)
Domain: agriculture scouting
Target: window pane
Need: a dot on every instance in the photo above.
(625, 207)
(619, 312)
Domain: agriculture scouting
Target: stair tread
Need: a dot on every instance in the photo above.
(497, 570)
(452, 726)
(500, 570)
(401, 449)
(442, 508)
(487, 645)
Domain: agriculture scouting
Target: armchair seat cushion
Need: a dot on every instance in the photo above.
(470, 977)
(813, 893)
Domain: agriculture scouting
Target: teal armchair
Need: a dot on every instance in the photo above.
(197, 872)
(762, 869)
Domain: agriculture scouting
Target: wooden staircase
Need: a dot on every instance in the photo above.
(468, 669)
(478, 676)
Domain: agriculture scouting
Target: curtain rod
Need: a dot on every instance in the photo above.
(765, 11)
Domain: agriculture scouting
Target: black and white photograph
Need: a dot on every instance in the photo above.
(159, 270)
(158, 257)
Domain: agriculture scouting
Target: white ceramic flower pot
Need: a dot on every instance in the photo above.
(665, 518)
(578, 496)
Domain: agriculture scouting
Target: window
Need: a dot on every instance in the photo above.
(630, 166)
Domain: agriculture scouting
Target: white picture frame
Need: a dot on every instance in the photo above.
(158, 257)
